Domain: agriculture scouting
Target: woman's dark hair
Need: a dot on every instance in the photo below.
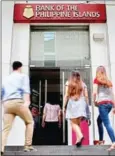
(53, 99)
(16, 65)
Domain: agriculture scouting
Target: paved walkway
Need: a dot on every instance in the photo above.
(61, 150)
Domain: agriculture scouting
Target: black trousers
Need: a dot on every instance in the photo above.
(52, 133)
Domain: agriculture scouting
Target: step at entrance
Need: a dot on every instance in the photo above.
(60, 150)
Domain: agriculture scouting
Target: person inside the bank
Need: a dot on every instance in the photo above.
(104, 99)
(51, 120)
(76, 104)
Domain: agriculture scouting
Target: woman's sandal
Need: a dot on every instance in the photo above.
(96, 142)
(101, 142)
(111, 148)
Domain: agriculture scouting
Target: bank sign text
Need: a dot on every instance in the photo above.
(58, 13)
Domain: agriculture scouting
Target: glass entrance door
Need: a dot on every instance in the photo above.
(38, 100)
(45, 85)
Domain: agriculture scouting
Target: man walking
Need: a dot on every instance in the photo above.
(16, 101)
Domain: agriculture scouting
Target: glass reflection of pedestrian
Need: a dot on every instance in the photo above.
(35, 114)
(104, 99)
(76, 103)
(51, 120)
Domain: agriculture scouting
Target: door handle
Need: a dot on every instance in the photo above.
(45, 91)
(63, 83)
(40, 96)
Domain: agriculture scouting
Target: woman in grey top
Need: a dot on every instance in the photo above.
(76, 98)
(104, 99)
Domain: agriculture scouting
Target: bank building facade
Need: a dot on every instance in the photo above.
(51, 38)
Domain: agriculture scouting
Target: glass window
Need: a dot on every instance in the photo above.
(49, 43)
(62, 47)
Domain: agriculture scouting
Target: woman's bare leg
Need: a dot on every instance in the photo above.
(75, 123)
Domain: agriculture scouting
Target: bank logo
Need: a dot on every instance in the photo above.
(28, 12)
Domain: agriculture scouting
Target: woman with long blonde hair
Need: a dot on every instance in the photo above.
(104, 98)
(76, 103)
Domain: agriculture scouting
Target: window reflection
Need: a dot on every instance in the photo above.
(49, 49)
(49, 42)
(60, 48)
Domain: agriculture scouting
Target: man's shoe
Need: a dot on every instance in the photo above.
(29, 148)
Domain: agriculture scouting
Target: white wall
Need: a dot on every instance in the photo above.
(99, 56)
(7, 27)
(110, 2)
(98, 49)
(111, 41)
(48, 1)
(21, 43)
